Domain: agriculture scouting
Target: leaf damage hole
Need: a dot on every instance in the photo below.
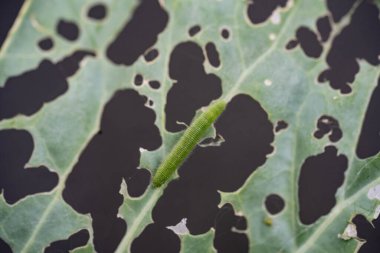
(339, 8)
(138, 81)
(4, 247)
(71, 64)
(364, 36)
(324, 28)
(212, 54)
(140, 33)
(94, 184)
(320, 177)
(46, 44)
(156, 239)
(76, 240)
(46, 83)
(138, 183)
(154, 84)
(16, 181)
(68, 30)
(193, 87)
(328, 125)
(225, 33)
(259, 11)
(226, 240)
(151, 55)
(9, 11)
(281, 125)
(274, 204)
(368, 232)
(97, 12)
(369, 140)
(291, 44)
(194, 30)
(309, 42)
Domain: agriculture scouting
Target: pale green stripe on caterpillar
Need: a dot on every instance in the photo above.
(188, 142)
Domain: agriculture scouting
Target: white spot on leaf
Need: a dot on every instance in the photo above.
(349, 233)
(374, 192)
(142, 150)
(276, 17)
(267, 82)
(272, 36)
(180, 228)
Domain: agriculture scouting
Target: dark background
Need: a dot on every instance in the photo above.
(107, 234)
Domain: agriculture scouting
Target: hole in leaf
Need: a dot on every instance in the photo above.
(154, 84)
(8, 14)
(291, 44)
(193, 88)
(260, 10)
(156, 239)
(339, 8)
(363, 36)
(108, 231)
(70, 65)
(46, 82)
(16, 181)
(76, 240)
(139, 34)
(138, 183)
(328, 125)
(94, 184)
(324, 28)
(194, 30)
(225, 240)
(97, 12)
(138, 80)
(212, 54)
(4, 247)
(368, 232)
(281, 125)
(151, 55)
(46, 44)
(369, 141)
(225, 33)
(68, 30)
(320, 177)
(309, 43)
(274, 204)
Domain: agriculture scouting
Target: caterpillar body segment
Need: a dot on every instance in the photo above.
(188, 141)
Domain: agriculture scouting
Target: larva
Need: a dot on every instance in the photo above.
(188, 142)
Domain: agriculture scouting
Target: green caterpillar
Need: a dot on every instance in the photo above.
(188, 142)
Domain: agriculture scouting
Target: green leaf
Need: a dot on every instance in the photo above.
(254, 55)
(198, 243)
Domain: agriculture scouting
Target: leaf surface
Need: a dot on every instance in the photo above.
(254, 61)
